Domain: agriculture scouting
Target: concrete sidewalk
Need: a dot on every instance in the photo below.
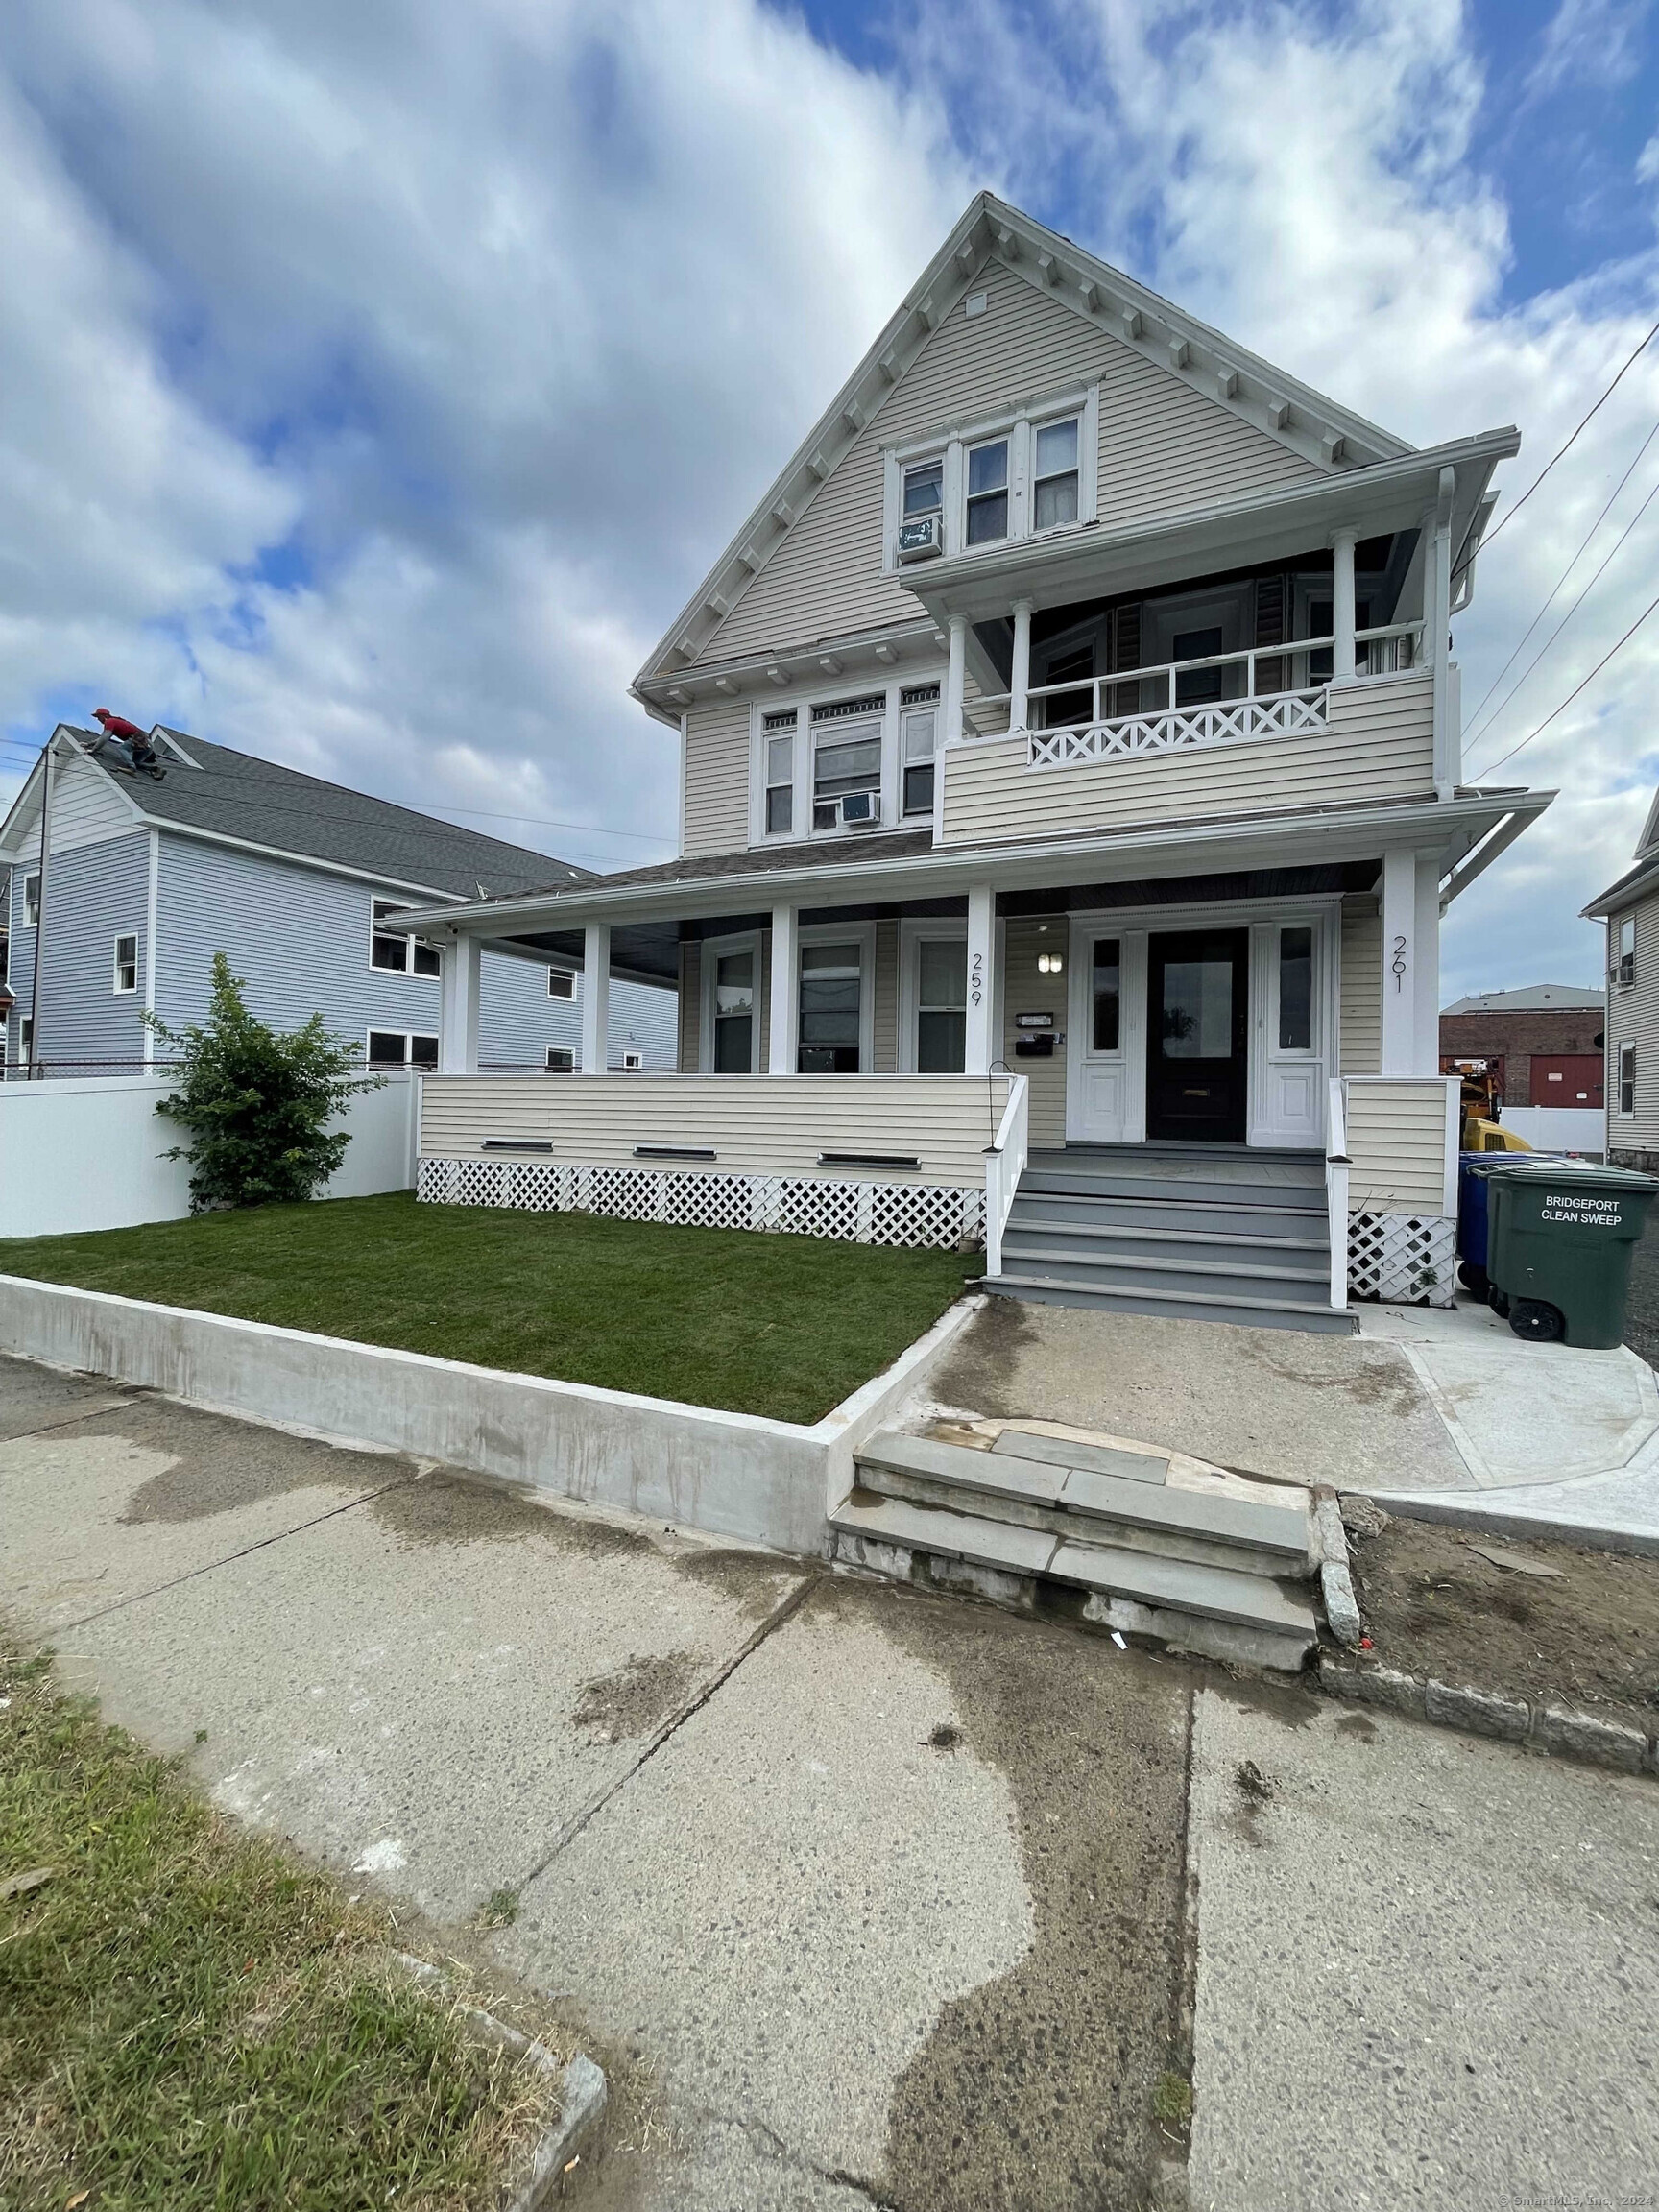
(861, 1898)
(1423, 1404)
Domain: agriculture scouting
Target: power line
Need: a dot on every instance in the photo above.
(1542, 650)
(1571, 442)
(1574, 693)
(1565, 573)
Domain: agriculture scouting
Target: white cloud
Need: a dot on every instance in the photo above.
(486, 326)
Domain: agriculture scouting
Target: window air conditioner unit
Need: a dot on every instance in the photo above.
(861, 810)
(921, 538)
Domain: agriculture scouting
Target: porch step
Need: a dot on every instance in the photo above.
(1096, 1494)
(1198, 1218)
(1175, 1589)
(1299, 1259)
(1171, 1190)
(1091, 1290)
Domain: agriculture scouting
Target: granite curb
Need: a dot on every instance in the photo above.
(582, 2086)
(1557, 1729)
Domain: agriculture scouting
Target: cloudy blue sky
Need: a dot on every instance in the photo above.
(377, 380)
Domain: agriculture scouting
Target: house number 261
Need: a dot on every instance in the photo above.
(977, 979)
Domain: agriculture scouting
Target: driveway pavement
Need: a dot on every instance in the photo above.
(863, 1898)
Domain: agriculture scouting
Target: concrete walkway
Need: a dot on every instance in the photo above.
(862, 1899)
(1422, 1404)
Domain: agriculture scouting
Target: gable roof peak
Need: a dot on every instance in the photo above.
(1280, 406)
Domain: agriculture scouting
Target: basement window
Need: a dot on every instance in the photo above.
(401, 1049)
(561, 1060)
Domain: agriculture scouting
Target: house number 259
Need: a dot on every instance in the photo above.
(977, 979)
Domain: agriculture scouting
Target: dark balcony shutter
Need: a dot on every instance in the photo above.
(1126, 654)
(1272, 628)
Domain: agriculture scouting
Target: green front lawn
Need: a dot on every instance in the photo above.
(191, 2020)
(783, 1326)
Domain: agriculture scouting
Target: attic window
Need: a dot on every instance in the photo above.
(976, 304)
(395, 952)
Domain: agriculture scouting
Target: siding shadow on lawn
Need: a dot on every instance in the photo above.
(781, 1326)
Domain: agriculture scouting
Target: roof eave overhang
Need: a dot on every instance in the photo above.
(1091, 562)
(874, 652)
(1457, 825)
(1635, 885)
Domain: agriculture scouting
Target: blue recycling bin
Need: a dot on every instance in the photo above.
(1473, 1170)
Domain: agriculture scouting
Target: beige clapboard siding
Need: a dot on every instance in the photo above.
(1163, 448)
(1378, 744)
(717, 776)
(757, 1124)
(1361, 988)
(1633, 1018)
(1397, 1143)
(1025, 992)
(884, 1010)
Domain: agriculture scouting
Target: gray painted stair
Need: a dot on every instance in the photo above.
(1204, 1571)
(1212, 1233)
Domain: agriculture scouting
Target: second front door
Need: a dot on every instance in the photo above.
(1198, 1007)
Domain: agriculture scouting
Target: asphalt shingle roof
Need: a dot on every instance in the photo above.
(241, 796)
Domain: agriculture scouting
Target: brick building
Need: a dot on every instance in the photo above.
(1544, 1042)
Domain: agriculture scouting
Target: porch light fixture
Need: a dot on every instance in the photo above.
(1050, 963)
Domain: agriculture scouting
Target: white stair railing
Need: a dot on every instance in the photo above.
(1004, 1165)
(1336, 1166)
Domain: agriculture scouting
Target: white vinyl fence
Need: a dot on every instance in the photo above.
(1559, 1128)
(86, 1154)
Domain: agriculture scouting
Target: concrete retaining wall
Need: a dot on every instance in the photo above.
(87, 1154)
(734, 1474)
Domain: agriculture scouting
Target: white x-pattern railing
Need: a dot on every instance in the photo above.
(1180, 729)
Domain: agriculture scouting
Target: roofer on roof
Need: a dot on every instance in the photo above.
(136, 740)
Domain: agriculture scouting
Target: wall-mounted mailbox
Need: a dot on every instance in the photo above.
(1034, 1047)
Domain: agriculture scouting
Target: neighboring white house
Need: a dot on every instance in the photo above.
(146, 877)
(1629, 908)
(1072, 785)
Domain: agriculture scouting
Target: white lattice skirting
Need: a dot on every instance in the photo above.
(914, 1213)
(1404, 1259)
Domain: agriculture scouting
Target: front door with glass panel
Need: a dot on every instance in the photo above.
(733, 1012)
(1105, 1034)
(1198, 1008)
(831, 1008)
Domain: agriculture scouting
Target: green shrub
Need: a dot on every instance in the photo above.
(257, 1104)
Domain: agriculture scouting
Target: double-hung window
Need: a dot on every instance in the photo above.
(1054, 473)
(126, 977)
(831, 1009)
(846, 761)
(918, 742)
(31, 902)
(777, 732)
(1627, 1079)
(1628, 950)
(923, 490)
(560, 983)
(987, 491)
(392, 950)
(941, 1006)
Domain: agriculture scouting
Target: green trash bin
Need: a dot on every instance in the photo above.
(1558, 1244)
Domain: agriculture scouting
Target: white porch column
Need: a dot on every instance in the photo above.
(595, 998)
(781, 1057)
(1342, 660)
(1020, 684)
(979, 1050)
(956, 678)
(1425, 1037)
(458, 1006)
(1400, 963)
(1437, 627)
